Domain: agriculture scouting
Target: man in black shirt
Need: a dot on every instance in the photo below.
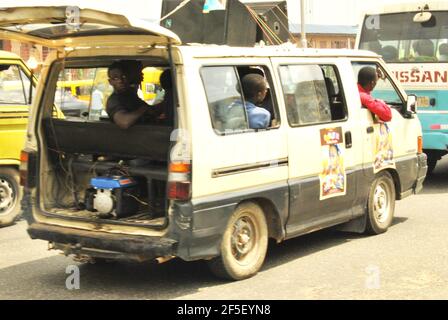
(124, 107)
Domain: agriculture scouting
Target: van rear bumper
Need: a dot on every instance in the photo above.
(79, 241)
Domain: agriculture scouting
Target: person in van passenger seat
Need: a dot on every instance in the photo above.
(267, 102)
(367, 79)
(254, 88)
(124, 107)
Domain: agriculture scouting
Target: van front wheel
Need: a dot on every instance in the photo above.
(244, 244)
(381, 205)
(10, 195)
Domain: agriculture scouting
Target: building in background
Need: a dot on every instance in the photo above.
(25, 50)
(327, 36)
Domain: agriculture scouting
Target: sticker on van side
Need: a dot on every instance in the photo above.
(333, 177)
(384, 153)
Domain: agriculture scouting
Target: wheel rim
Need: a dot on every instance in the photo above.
(381, 203)
(7, 196)
(244, 238)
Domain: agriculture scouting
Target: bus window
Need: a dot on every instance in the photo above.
(417, 54)
(400, 39)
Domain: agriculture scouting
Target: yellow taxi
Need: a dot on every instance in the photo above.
(14, 105)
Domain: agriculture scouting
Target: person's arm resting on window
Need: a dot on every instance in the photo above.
(378, 107)
(125, 119)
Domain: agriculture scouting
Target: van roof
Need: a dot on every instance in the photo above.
(209, 51)
(8, 55)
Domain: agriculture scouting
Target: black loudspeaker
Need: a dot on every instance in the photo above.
(233, 26)
(275, 15)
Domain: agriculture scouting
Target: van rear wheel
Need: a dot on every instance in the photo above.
(10, 195)
(244, 244)
(381, 205)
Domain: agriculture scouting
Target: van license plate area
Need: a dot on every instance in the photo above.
(423, 102)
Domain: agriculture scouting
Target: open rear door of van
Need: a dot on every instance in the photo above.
(63, 28)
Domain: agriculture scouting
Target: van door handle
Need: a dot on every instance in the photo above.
(348, 139)
(369, 129)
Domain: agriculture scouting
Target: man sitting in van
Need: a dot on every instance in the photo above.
(367, 79)
(254, 88)
(124, 107)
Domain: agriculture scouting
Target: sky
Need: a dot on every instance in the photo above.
(329, 12)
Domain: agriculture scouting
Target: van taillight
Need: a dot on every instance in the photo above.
(27, 169)
(178, 190)
(419, 144)
(179, 181)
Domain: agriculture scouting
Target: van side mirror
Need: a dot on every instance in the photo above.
(411, 104)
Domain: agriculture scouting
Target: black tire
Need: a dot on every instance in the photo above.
(10, 196)
(381, 204)
(431, 164)
(244, 244)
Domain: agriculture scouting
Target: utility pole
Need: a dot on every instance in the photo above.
(302, 24)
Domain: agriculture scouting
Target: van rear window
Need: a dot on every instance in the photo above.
(82, 93)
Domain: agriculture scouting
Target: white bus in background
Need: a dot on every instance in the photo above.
(413, 40)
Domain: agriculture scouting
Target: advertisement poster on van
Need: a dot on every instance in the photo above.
(333, 177)
(384, 153)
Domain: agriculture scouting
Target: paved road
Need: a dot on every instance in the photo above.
(408, 262)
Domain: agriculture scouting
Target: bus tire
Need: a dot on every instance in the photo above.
(431, 164)
(10, 195)
(244, 244)
(381, 204)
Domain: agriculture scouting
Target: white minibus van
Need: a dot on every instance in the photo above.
(204, 185)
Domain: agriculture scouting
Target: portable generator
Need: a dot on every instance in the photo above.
(113, 196)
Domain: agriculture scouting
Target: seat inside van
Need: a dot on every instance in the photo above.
(335, 100)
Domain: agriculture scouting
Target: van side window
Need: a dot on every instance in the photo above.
(14, 85)
(222, 89)
(312, 94)
(227, 101)
(384, 89)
